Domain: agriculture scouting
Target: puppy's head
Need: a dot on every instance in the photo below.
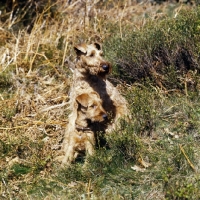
(90, 60)
(90, 107)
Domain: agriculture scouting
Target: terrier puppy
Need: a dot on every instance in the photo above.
(81, 130)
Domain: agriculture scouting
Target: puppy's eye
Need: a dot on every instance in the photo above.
(93, 106)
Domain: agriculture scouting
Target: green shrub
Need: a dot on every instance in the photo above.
(142, 105)
(163, 50)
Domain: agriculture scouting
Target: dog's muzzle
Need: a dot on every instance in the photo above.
(106, 67)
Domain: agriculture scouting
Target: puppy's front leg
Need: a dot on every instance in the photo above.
(90, 143)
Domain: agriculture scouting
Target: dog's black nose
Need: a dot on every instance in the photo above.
(105, 67)
(105, 117)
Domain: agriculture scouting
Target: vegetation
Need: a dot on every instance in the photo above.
(154, 49)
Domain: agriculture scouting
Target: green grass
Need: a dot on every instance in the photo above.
(171, 148)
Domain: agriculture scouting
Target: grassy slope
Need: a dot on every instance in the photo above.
(156, 156)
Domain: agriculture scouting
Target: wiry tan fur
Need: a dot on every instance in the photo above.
(80, 134)
(90, 71)
(90, 60)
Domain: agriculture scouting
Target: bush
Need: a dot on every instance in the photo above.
(162, 51)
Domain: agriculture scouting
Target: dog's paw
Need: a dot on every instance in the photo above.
(59, 158)
(62, 160)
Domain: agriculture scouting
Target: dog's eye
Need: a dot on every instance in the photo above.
(92, 54)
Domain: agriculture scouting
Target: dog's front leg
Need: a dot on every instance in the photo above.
(69, 153)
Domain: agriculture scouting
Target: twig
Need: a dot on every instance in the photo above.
(65, 50)
(6, 188)
(183, 151)
(88, 189)
(53, 107)
(186, 88)
(1, 97)
(120, 21)
(31, 122)
(12, 128)
(33, 59)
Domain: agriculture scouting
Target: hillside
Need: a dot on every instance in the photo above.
(154, 49)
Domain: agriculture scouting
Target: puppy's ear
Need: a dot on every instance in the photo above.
(97, 45)
(94, 94)
(80, 50)
(83, 99)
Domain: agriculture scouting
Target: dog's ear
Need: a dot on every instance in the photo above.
(97, 45)
(70, 64)
(80, 50)
(83, 99)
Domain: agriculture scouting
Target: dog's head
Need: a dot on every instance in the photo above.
(90, 60)
(90, 108)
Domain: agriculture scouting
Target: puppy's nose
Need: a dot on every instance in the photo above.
(105, 117)
(105, 67)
